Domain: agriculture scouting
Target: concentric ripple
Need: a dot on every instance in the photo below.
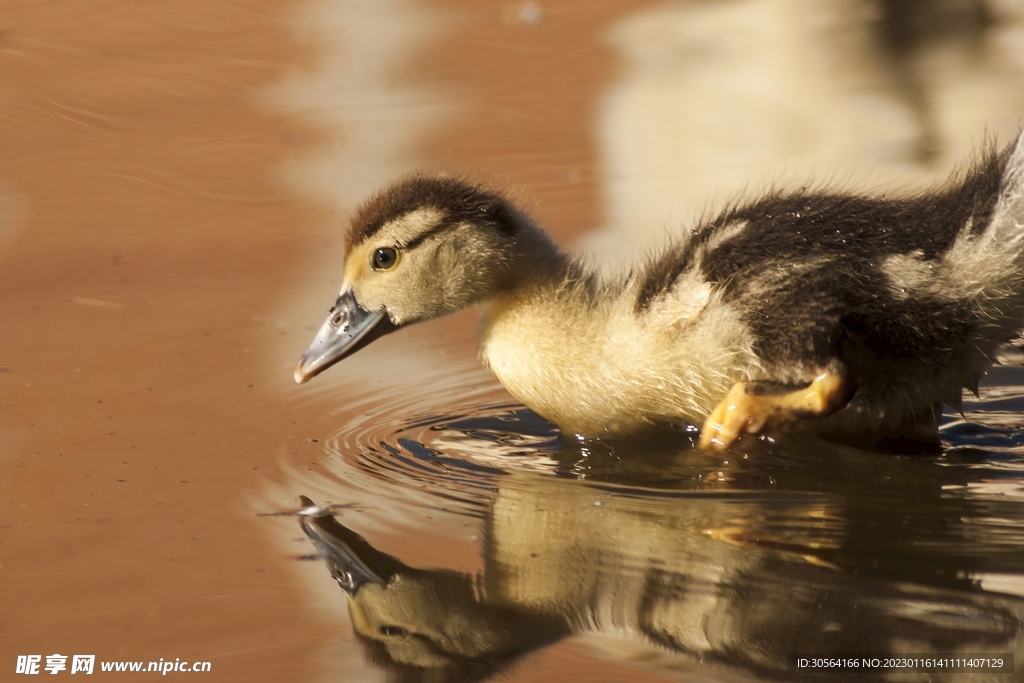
(439, 444)
(454, 456)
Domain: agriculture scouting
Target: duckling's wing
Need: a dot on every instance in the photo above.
(912, 295)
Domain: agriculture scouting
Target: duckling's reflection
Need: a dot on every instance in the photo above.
(717, 581)
(426, 625)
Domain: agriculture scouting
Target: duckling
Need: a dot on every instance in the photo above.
(851, 317)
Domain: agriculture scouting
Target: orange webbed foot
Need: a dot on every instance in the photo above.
(752, 408)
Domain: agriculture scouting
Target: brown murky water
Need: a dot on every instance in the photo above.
(173, 183)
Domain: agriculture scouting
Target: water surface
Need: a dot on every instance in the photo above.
(669, 559)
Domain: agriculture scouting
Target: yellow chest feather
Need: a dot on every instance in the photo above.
(606, 371)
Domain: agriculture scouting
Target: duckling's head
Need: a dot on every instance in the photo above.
(424, 248)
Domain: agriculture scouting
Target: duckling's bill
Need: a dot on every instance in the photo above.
(348, 328)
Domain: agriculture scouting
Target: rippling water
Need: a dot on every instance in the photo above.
(716, 566)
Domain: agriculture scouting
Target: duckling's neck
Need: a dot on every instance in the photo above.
(535, 264)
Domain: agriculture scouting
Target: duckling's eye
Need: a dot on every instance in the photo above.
(384, 258)
(392, 631)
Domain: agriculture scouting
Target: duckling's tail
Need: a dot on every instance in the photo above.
(1005, 231)
(986, 262)
(965, 299)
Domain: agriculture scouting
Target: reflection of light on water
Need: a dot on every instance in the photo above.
(995, 432)
(1011, 584)
(989, 393)
(495, 448)
(991, 426)
(1009, 490)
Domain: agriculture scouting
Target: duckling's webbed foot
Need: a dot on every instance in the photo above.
(755, 407)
